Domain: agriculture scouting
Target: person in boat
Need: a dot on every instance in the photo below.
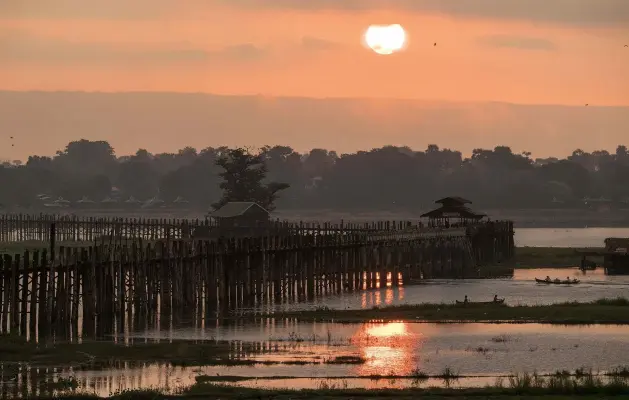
(465, 300)
(547, 278)
(495, 298)
(568, 279)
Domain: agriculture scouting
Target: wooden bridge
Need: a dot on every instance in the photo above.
(131, 282)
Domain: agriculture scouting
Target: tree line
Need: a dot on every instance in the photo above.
(385, 178)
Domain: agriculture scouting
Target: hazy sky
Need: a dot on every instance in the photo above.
(565, 52)
(524, 51)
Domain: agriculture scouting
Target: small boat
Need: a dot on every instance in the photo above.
(499, 301)
(572, 282)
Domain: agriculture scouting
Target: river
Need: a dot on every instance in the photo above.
(478, 352)
(562, 237)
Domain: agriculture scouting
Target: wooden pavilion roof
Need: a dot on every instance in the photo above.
(453, 212)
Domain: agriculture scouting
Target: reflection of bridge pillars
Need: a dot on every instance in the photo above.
(358, 264)
(382, 266)
(395, 268)
(367, 272)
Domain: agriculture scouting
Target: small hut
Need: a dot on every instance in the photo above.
(615, 256)
(241, 214)
(453, 212)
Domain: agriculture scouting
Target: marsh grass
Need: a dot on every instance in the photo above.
(622, 371)
(294, 337)
(418, 374)
(346, 360)
(101, 353)
(557, 257)
(519, 386)
(501, 339)
(600, 311)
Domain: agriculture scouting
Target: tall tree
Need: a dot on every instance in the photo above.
(242, 179)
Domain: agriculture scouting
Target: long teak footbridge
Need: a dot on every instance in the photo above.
(132, 280)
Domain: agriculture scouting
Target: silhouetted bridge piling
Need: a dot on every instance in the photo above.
(108, 288)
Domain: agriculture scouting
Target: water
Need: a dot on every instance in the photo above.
(561, 237)
(479, 352)
(519, 290)
(474, 350)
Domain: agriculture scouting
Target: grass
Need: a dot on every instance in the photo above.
(346, 360)
(602, 311)
(556, 257)
(17, 349)
(523, 386)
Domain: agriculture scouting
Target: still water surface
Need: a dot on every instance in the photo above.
(520, 289)
(562, 237)
(479, 351)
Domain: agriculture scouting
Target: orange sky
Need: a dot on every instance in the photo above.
(523, 51)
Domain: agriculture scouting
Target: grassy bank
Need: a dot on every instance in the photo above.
(14, 349)
(603, 311)
(524, 386)
(91, 354)
(556, 257)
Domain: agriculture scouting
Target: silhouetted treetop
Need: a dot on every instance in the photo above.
(385, 178)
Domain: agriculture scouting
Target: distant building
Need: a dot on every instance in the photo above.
(453, 211)
(241, 214)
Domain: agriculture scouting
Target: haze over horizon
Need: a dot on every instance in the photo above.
(517, 73)
(167, 122)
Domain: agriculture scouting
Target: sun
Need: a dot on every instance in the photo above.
(385, 39)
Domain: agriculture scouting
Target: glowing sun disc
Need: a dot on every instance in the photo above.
(385, 39)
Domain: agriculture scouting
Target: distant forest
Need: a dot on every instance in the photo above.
(385, 178)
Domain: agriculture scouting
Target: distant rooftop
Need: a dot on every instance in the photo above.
(454, 199)
(235, 209)
(456, 212)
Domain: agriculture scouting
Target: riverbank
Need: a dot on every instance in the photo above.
(556, 257)
(603, 311)
(16, 351)
(524, 386)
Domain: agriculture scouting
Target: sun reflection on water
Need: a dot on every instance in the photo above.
(389, 348)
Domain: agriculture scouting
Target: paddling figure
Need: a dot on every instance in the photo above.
(495, 298)
(465, 300)
(547, 278)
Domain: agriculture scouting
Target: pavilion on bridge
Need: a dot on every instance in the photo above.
(452, 213)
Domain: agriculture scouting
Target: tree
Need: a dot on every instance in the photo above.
(85, 157)
(138, 179)
(242, 180)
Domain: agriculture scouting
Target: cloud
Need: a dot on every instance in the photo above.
(574, 12)
(517, 42)
(21, 47)
(101, 9)
(577, 12)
